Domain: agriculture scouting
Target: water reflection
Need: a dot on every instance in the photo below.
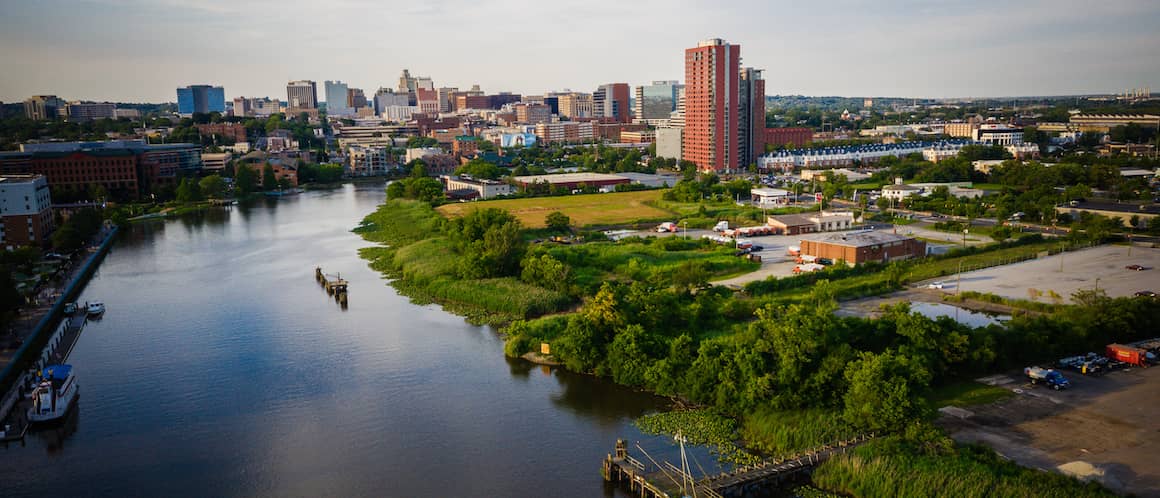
(964, 316)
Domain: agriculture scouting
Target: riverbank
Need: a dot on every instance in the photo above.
(47, 318)
(649, 321)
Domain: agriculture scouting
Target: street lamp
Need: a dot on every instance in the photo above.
(965, 237)
(685, 225)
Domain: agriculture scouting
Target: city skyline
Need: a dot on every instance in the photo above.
(939, 49)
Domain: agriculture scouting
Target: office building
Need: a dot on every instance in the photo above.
(750, 116)
(356, 99)
(789, 136)
(463, 187)
(711, 107)
(656, 102)
(242, 107)
(447, 99)
(301, 94)
(25, 211)
(566, 132)
(610, 102)
(427, 100)
(999, 134)
(533, 113)
(677, 118)
(575, 105)
(202, 99)
(385, 97)
(42, 107)
(126, 168)
(88, 111)
(336, 98)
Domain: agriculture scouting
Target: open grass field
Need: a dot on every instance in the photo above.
(618, 208)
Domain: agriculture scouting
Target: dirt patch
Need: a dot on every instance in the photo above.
(1104, 428)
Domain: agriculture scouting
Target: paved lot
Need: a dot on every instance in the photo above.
(1080, 269)
(1107, 425)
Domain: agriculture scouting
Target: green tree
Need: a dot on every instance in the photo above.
(885, 391)
(558, 221)
(269, 181)
(245, 179)
(547, 272)
(1001, 233)
(213, 186)
(478, 168)
(67, 238)
(188, 190)
(690, 275)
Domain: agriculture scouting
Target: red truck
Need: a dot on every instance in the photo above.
(1127, 354)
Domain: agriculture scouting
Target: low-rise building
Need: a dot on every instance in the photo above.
(899, 191)
(214, 163)
(1023, 151)
(421, 152)
(368, 160)
(823, 174)
(999, 134)
(767, 195)
(25, 211)
(862, 247)
(796, 224)
(566, 132)
(638, 137)
(573, 180)
(466, 187)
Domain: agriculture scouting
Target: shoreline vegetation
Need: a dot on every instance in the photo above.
(770, 365)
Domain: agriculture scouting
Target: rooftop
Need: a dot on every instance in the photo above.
(570, 178)
(863, 239)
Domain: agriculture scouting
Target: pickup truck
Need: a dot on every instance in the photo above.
(1052, 378)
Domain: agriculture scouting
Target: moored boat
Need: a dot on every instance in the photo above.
(95, 308)
(54, 394)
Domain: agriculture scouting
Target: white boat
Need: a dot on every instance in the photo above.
(54, 394)
(95, 308)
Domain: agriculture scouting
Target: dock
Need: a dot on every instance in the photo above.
(14, 406)
(664, 480)
(334, 284)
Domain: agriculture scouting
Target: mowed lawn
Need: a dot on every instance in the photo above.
(617, 208)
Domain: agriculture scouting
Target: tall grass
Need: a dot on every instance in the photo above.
(778, 432)
(876, 470)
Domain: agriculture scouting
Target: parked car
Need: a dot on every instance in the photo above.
(935, 285)
(1135, 268)
(1146, 293)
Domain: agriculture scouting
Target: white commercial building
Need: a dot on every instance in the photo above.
(669, 143)
(822, 174)
(421, 152)
(999, 134)
(398, 113)
(484, 189)
(769, 196)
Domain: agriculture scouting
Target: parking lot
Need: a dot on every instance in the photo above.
(1079, 270)
(1104, 427)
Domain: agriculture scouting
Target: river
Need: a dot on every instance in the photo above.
(221, 368)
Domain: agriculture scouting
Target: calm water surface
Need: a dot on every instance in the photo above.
(222, 369)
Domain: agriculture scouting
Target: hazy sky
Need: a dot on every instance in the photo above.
(141, 50)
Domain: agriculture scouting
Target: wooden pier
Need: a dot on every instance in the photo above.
(662, 480)
(334, 285)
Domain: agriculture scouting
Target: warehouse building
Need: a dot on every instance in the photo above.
(856, 248)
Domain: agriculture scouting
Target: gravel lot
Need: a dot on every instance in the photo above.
(1104, 427)
(1080, 271)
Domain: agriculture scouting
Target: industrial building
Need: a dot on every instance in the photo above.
(862, 247)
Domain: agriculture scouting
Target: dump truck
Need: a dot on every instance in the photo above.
(1129, 355)
(1050, 377)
